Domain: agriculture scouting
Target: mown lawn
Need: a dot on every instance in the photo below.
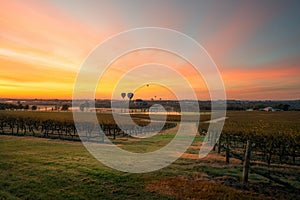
(37, 168)
(33, 168)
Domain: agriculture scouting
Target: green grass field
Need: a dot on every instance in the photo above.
(39, 168)
(34, 168)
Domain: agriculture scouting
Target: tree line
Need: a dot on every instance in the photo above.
(19, 106)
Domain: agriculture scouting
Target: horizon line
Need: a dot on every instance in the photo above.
(106, 99)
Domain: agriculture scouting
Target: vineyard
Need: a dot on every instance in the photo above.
(274, 137)
(61, 125)
(265, 139)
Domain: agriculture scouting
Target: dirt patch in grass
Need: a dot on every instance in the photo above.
(184, 188)
(212, 158)
(220, 188)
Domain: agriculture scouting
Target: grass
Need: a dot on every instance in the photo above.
(142, 145)
(45, 169)
(33, 168)
(37, 168)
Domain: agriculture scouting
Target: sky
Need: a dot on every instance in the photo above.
(255, 45)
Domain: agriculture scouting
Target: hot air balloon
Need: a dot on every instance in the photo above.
(123, 95)
(130, 95)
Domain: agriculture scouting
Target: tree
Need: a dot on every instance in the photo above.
(65, 107)
(284, 107)
(34, 107)
(84, 105)
(20, 106)
(26, 107)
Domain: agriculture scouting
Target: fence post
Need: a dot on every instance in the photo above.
(219, 146)
(227, 152)
(114, 133)
(246, 165)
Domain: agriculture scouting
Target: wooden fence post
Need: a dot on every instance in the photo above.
(227, 152)
(114, 133)
(246, 165)
(219, 145)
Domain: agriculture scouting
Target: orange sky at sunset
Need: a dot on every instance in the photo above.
(44, 43)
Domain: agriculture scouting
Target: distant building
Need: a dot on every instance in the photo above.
(268, 109)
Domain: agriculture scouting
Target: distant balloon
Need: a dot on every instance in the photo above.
(147, 85)
(130, 95)
(123, 95)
